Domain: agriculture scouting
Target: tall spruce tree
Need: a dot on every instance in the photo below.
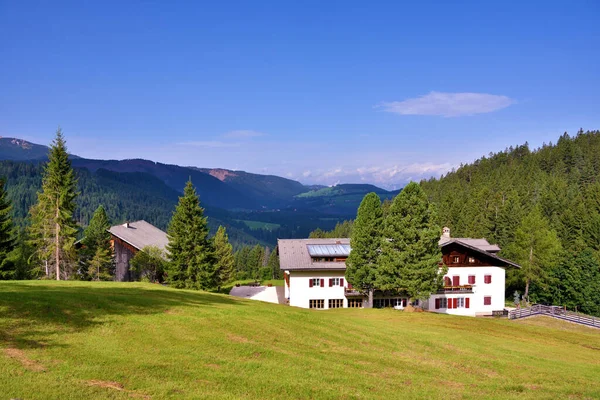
(224, 257)
(97, 254)
(536, 248)
(53, 229)
(365, 241)
(254, 261)
(7, 240)
(191, 253)
(410, 255)
(273, 265)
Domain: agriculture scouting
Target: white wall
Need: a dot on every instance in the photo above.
(480, 290)
(300, 292)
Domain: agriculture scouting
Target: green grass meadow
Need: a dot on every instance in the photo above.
(80, 340)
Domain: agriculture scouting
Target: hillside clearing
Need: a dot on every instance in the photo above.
(123, 340)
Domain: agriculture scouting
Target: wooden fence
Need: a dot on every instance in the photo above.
(555, 312)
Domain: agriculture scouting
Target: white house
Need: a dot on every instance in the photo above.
(314, 271)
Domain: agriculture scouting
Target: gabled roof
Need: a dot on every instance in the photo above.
(140, 234)
(481, 244)
(294, 253)
(492, 255)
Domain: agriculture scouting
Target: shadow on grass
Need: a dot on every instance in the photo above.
(33, 313)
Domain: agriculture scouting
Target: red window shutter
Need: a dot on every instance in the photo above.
(322, 282)
(447, 281)
(489, 279)
(449, 303)
(467, 302)
(437, 303)
(349, 285)
(455, 280)
(330, 282)
(342, 282)
(310, 282)
(471, 279)
(455, 303)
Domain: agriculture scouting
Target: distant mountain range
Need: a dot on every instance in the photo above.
(255, 207)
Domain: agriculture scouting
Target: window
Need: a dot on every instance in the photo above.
(471, 279)
(487, 301)
(471, 260)
(354, 303)
(336, 303)
(443, 303)
(487, 279)
(318, 282)
(336, 282)
(316, 304)
(460, 302)
(455, 259)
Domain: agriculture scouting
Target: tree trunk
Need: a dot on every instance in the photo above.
(528, 280)
(370, 301)
(57, 252)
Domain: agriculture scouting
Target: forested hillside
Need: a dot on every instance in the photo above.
(126, 196)
(497, 197)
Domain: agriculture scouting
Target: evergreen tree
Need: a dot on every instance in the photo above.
(410, 255)
(7, 241)
(224, 257)
(191, 253)
(254, 262)
(273, 265)
(365, 241)
(536, 249)
(241, 262)
(53, 228)
(97, 253)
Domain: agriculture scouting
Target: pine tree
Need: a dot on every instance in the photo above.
(7, 241)
(536, 249)
(365, 241)
(410, 255)
(273, 265)
(97, 253)
(53, 228)
(254, 262)
(191, 254)
(224, 257)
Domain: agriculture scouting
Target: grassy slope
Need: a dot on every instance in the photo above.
(76, 340)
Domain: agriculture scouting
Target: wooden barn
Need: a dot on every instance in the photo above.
(129, 238)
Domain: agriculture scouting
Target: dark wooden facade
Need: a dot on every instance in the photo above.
(455, 255)
(123, 252)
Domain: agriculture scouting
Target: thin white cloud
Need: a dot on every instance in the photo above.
(209, 143)
(243, 133)
(390, 177)
(448, 104)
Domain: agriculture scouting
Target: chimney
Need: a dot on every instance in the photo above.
(446, 232)
(126, 224)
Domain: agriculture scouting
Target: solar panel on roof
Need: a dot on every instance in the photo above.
(325, 250)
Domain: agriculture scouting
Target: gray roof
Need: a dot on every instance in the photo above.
(294, 254)
(140, 234)
(481, 244)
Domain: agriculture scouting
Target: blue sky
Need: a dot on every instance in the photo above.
(322, 92)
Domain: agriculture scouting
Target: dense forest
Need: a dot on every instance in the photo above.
(554, 190)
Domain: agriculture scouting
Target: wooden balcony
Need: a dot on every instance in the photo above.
(456, 289)
(352, 293)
